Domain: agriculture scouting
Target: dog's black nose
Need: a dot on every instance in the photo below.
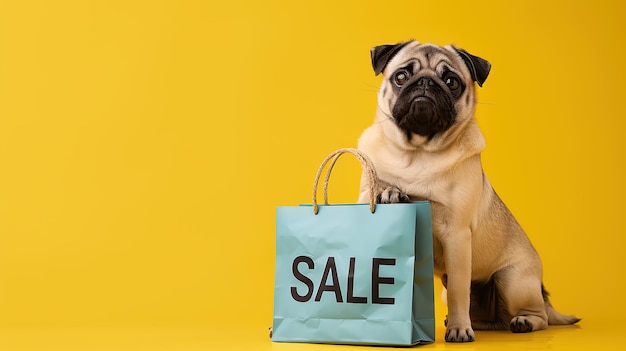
(425, 81)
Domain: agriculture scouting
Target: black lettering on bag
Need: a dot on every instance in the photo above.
(301, 277)
(351, 298)
(377, 280)
(332, 269)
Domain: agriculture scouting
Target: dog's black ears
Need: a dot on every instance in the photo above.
(381, 55)
(478, 67)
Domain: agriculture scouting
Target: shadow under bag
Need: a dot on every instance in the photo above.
(354, 273)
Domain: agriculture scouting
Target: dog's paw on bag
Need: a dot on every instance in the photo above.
(392, 195)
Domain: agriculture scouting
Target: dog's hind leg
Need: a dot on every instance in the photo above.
(486, 306)
(520, 289)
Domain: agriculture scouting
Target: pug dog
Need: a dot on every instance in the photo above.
(426, 145)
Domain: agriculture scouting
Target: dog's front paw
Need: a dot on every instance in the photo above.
(459, 334)
(392, 195)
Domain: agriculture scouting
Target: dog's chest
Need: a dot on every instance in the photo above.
(422, 177)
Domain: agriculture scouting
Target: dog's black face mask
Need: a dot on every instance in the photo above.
(425, 105)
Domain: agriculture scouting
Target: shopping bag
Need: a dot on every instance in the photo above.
(354, 273)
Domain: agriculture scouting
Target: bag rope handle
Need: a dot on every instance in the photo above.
(366, 164)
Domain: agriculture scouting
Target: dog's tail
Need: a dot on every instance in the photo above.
(554, 317)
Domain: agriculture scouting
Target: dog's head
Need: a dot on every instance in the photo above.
(426, 88)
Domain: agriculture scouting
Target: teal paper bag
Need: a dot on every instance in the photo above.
(354, 274)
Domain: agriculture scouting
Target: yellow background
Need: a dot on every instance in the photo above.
(144, 146)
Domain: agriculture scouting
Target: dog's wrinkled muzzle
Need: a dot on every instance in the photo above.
(424, 108)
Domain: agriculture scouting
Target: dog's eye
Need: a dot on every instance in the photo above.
(452, 83)
(401, 77)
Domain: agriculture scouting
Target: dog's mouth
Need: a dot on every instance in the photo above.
(424, 115)
(423, 106)
(425, 112)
